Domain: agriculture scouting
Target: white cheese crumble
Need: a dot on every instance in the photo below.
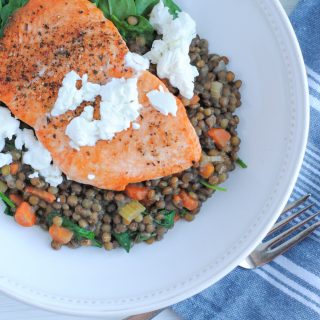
(136, 126)
(36, 155)
(9, 126)
(69, 97)
(119, 107)
(136, 61)
(39, 158)
(82, 130)
(91, 176)
(34, 175)
(163, 101)
(171, 54)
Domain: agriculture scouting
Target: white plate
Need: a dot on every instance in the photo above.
(263, 50)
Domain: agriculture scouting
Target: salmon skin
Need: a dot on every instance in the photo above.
(47, 39)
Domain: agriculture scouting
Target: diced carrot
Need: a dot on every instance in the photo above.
(17, 200)
(136, 192)
(14, 168)
(42, 194)
(206, 170)
(188, 202)
(177, 200)
(25, 215)
(194, 100)
(60, 234)
(221, 137)
(176, 218)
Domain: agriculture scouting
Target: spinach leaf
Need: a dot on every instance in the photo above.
(173, 8)
(122, 9)
(7, 209)
(8, 212)
(78, 231)
(129, 31)
(144, 237)
(168, 220)
(7, 9)
(144, 7)
(213, 187)
(8, 204)
(124, 240)
(241, 163)
(104, 7)
(6, 200)
(96, 243)
(183, 212)
(119, 10)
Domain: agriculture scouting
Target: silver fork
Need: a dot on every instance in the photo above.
(269, 250)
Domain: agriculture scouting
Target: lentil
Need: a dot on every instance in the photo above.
(132, 20)
(33, 200)
(72, 201)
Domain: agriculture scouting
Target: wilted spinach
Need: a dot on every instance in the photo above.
(118, 12)
(7, 9)
(168, 220)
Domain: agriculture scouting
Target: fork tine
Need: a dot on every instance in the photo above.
(285, 221)
(296, 203)
(284, 234)
(294, 240)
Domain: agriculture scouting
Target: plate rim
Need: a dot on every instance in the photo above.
(196, 288)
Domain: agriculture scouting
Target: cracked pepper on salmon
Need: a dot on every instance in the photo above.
(47, 39)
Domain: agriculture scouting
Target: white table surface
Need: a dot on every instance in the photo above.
(11, 309)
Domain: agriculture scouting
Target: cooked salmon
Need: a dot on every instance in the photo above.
(47, 39)
(163, 145)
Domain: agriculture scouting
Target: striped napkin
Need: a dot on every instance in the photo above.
(289, 287)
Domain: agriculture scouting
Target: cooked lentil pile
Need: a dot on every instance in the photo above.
(94, 215)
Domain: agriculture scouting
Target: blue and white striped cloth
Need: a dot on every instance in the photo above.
(289, 287)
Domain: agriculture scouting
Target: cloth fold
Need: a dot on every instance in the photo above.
(289, 287)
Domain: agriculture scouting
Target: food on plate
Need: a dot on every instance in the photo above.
(163, 145)
(115, 127)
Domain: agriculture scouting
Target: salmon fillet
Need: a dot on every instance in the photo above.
(47, 39)
(163, 145)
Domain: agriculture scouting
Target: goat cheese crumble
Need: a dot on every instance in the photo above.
(163, 101)
(36, 155)
(69, 97)
(119, 107)
(171, 53)
(82, 130)
(136, 61)
(34, 175)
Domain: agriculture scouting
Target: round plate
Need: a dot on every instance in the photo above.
(264, 53)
